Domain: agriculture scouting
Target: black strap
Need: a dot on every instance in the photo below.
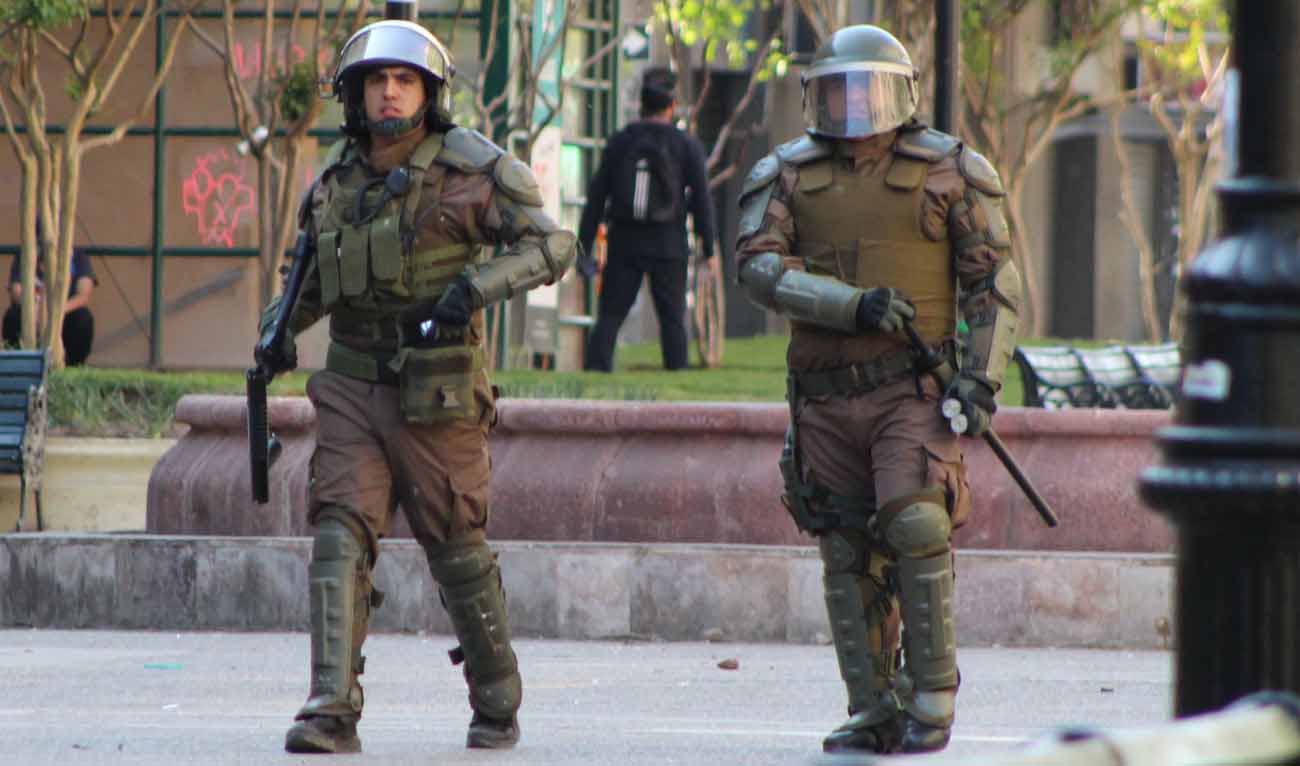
(858, 378)
(817, 509)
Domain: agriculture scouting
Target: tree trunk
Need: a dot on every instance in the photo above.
(1033, 318)
(30, 250)
(266, 218)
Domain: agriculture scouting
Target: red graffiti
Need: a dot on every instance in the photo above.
(216, 194)
(248, 60)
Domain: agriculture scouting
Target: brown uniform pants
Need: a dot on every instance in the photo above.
(368, 459)
(882, 445)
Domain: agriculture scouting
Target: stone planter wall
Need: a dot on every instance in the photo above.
(90, 485)
(584, 471)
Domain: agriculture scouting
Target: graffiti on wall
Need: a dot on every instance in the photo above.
(218, 194)
(248, 58)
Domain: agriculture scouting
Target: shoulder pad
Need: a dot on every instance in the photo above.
(468, 150)
(926, 144)
(517, 180)
(979, 172)
(763, 173)
(802, 150)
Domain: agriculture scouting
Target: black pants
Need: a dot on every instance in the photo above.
(78, 332)
(622, 281)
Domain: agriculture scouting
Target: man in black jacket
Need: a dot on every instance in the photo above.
(651, 174)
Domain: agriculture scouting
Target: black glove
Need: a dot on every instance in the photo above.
(276, 359)
(974, 395)
(884, 309)
(456, 304)
(587, 266)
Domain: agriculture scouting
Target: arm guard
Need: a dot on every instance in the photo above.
(540, 251)
(805, 297)
(991, 307)
(530, 262)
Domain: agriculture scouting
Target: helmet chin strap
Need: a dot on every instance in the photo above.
(395, 127)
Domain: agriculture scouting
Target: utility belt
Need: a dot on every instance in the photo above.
(862, 377)
(435, 381)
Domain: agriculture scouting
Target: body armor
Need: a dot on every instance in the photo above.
(383, 247)
(849, 243)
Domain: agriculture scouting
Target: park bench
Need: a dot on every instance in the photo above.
(1115, 377)
(22, 423)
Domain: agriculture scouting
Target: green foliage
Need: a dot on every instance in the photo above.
(42, 14)
(719, 25)
(297, 91)
(777, 62)
(122, 402)
(1189, 24)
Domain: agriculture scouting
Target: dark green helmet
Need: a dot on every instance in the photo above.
(861, 82)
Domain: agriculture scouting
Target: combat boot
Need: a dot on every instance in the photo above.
(492, 733)
(927, 720)
(324, 734)
(877, 730)
(921, 737)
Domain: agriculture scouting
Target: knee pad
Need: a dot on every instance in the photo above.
(916, 525)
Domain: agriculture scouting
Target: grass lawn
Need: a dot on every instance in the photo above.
(753, 370)
(112, 402)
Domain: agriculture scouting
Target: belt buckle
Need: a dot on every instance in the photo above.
(857, 377)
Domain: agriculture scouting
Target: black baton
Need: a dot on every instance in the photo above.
(931, 360)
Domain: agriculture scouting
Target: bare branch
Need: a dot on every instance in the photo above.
(600, 54)
(165, 66)
(95, 92)
(751, 88)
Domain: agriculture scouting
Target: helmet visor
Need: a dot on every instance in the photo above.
(856, 103)
(393, 43)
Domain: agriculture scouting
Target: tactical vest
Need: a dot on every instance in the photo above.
(369, 274)
(863, 227)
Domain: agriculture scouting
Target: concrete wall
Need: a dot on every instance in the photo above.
(567, 590)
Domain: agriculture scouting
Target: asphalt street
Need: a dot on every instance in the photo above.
(93, 697)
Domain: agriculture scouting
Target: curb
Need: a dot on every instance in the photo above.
(673, 592)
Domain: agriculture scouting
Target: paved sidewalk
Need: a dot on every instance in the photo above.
(116, 697)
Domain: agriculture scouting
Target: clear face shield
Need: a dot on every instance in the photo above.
(858, 100)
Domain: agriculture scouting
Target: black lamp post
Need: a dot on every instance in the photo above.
(1230, 478)
(947, 47)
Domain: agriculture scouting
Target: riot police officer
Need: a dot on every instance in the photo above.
(869, 223)
(404, 216)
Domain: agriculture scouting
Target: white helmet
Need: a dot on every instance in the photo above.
(393, 43)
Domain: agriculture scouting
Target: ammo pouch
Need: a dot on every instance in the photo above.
(437, 383)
